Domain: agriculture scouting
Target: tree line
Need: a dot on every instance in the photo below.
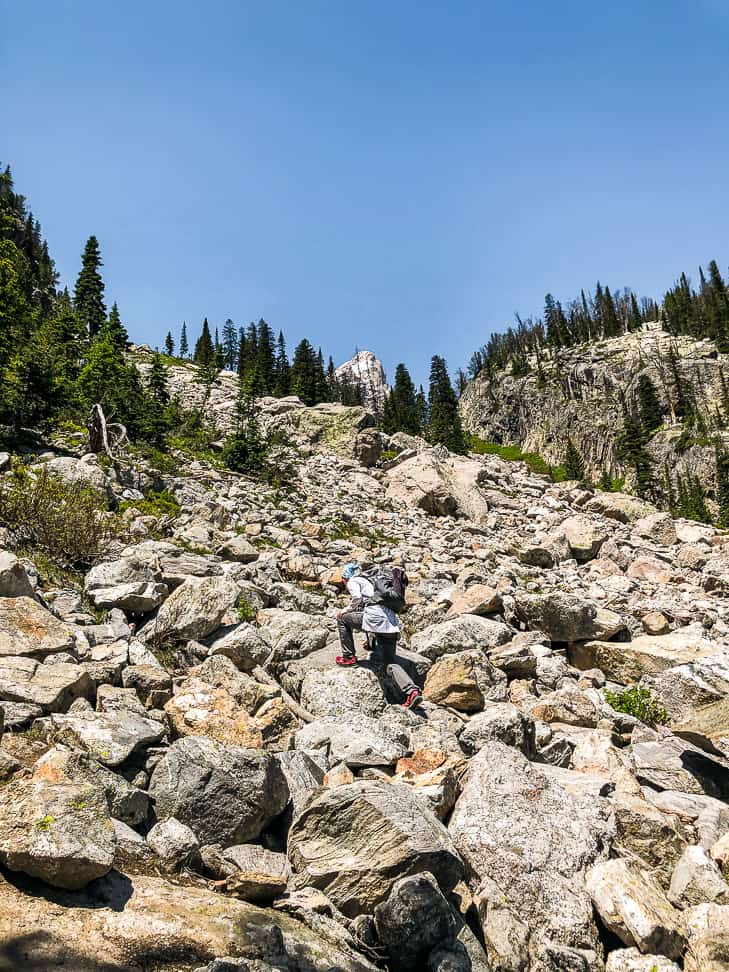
(61, 352)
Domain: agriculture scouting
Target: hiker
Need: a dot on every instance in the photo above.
(367, 612)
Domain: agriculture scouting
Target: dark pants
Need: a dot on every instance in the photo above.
(347, 623)
(383, 656)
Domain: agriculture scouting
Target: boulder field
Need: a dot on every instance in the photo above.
(189, 784)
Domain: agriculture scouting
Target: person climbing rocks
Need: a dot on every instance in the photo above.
(366, 612)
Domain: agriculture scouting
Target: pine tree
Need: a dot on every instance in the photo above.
(115, 329)
(304, 379)
(400, 409)
(245, 451)
(722, 486)
(155, 421)
(574, 464)
(631, 450)
(649, 406)
(265, 359)
(89, 292)
(668, 490)
(605, 483)
(204, 354)
(104, 380)
(184, 347)
(230, 345)
(282, 371)
(169, 345)
(444, 423)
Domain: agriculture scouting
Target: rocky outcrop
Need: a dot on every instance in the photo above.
(365, 370)
(576, 394)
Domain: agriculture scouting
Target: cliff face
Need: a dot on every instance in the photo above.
(578, 395)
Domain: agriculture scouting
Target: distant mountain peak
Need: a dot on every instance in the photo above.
(365, 368)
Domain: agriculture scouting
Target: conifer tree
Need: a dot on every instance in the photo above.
(282, 371)
(400, 410)
(115, 329)
(245, 451)
(574, 464)
(722, 486)
(649, 406)
(605, 483)
(89, 292)
(669, 492)
(184, 347)
(444, 423)
(304, 377)
(632, 452)
(154, 422)
(169, 345)
(204, 354)
(265, 359)
(230, 345)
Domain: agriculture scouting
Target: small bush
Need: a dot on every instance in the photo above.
(245, 611)
(69, 522)
(640, 703)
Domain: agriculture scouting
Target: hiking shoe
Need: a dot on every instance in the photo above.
(413, 700)
(346, 660)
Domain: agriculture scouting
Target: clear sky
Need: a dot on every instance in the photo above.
(396, 174)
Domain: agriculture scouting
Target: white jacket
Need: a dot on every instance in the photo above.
(376, 617)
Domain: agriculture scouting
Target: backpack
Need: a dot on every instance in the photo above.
(389, 584)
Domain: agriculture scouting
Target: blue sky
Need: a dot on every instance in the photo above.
(388, 174)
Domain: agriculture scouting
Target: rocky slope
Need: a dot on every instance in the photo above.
(579, 396)
(191, 784)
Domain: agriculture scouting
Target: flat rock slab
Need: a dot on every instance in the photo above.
(110, 737)
(707, 726)
(121, 921)
(366, 743)
(27, 629)
(51, 687)
(675, 764)
(354, 841)
(59, 832)
(627, 662)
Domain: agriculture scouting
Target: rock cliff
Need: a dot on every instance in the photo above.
(365, 369)
(577, 393)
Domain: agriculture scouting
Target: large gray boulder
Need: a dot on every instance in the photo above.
(499, 721)
(243, 645)
(441, 484)
(51, 687)
(354, 841)
(27, 629)
(634, 908)
(125, 802)
(413, 920)
(58, 832)
(584, 534)
(293, 634)
(566, 617)
(225, 794)
(193, 611)
(528, 841)
(465, 680)
(460, 634)
(672, 763)
(620, 506)
(341, 692)
(110, 737)
(14, 581)
(132, 585)
(357, 741)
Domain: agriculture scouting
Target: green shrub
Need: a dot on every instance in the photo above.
(69, 522)
(389, 454)
(640, 703)
(245, 611)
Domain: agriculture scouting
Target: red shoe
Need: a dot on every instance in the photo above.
(413, 700)
(346, 660)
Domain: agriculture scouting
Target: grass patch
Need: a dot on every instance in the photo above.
(155, 503)
(511, 453)
(44, 824)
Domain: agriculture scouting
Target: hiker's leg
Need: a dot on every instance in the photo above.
(347, 623)
(394, 671)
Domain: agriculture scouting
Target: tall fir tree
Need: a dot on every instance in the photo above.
(115, 329)
(265, 359)
(304, 378)
(282, 379)
(184, 346)
(89, 292)
(204, 354)
(444, 423)
(721, 459)
(649, 405)
(400, 411)
(230, 345)
(169, 345)
(574, 464)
